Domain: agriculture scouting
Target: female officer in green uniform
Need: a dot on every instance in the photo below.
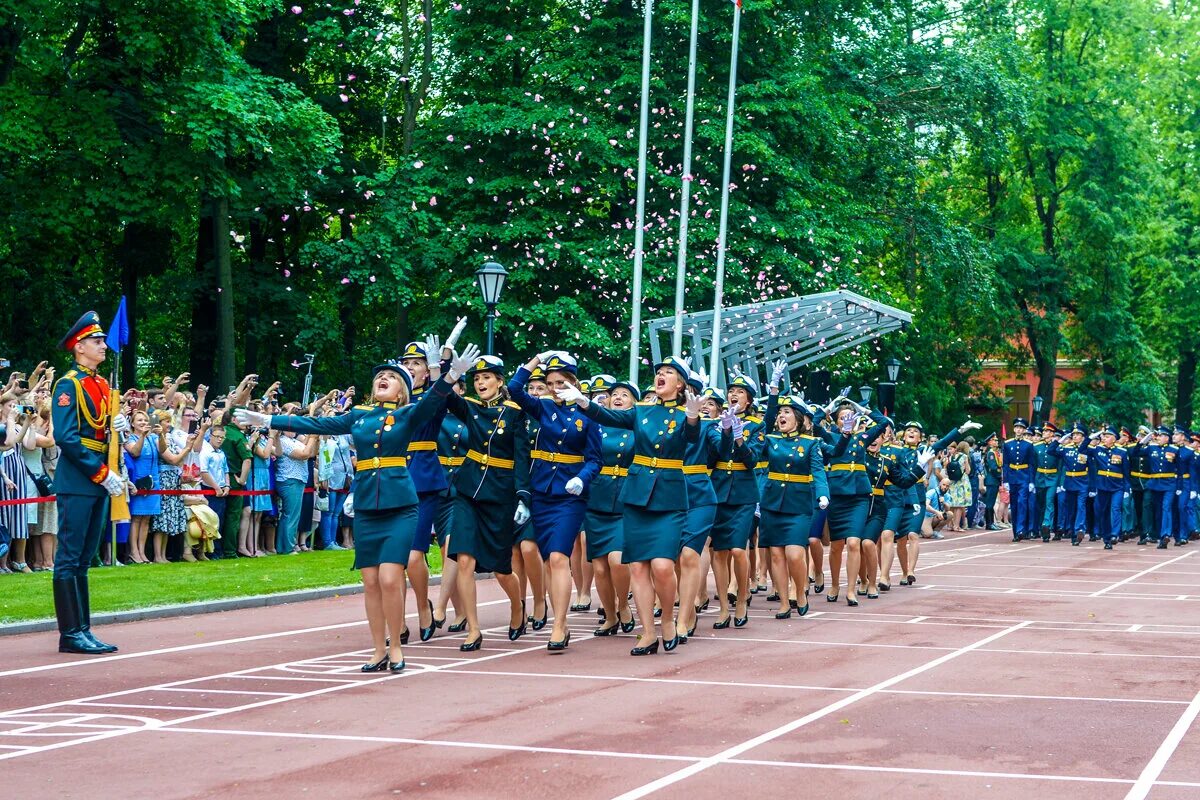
(795, 486)
(488, 505)
(702, 506)
(385, 499)
(655, 493)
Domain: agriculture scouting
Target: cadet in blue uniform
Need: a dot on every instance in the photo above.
(1071, 452)
(1045, 481)
(604, 521)
(429, 478)
(1161, 481)
(1181, 518)
(701, 456)
(566, 457)
(489, 504)
(528, 565)
(385, 498)
(83, 484)
(655, 493)
(795, 486)
(736, 487)
(1020, 465)
(1112, 483)
(452, 452)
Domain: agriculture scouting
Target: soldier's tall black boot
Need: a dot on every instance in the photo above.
(85, 614)
(71, 638)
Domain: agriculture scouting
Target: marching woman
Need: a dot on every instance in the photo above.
(736, 487)
(565, 458)
(385, 518)
(654, 494)
(702, 506)
(850, 492)
(893, 471)
(528, 565)
(795, 486)
(488, 506)
(604, 521)
(452, 452)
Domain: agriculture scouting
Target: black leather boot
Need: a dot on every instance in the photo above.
(71, 638)
(85, 614)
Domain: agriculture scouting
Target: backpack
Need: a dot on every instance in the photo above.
(954, 470)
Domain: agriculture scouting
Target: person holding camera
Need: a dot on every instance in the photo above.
(143, 455)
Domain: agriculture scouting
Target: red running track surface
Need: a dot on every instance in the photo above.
(1008, 670)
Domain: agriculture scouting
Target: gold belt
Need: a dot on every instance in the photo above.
(556, 458)
(696, 469)
(658, 463)
(491, 461)
(731, 466)
(365, 464)
(762, 465)
(614, 472)
(1108, 474)
(414, 447)
(877, 492)
(1076, 474)
(451, 461)
(847, 468)
(1047, 470)
(1018, 466)
(787, 478)
(1162, 475)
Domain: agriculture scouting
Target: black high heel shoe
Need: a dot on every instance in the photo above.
(669, 644)
(658, 613)
(469, 647)
(803, 609)
(783, 614)
(871, 596)
(439, 623)
(403, 636)
(457, 627)
(626, 627)
(885, 587)
(648, 650)
(793, 604)
(819, 588)
(606, 630)
(773, 597)
(558, 647)
(397, 667)
(378, 666)
(517, 633)
(691, 632)
(910, 580)
(740, 622)
(538, 624)
(851, 601)
(831, 598)
(427, 633)
(722, 624)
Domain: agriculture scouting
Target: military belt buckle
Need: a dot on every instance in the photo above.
(654, 461)
(375, 462)
(484, 459)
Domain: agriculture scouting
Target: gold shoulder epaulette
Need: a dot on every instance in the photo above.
(473, 400)
(755, 420)
(512, 404)
(363, 408)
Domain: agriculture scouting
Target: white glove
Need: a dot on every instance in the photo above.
(860, 409)
(546, 356)
(463, 362)
(691, 405)
(458, 329)
(571, 394)
(778, 370)
(1178, 492)
(1005, 486)
(348, 506)
(1030, 487)
(575, 486)
(727, 417)
(114, 484)
(916, 507)
(433, 348)
(1125, 496)
(1194, 495)
(739, 429)
(822, 502)
(120, 423)
(924, 456)
(522, 515)
(1091, 494)
(252, 418)
(969, 426)
(1060, 490)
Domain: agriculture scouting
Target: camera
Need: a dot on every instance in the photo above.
(5, 363)
(27, 410)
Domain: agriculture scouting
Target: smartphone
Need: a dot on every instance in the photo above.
(23, 384)
(193, 426)
(27, 410)
(5, 363)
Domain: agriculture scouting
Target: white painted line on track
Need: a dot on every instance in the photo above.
(1165, 750)
(1131, 578)
(796, 724)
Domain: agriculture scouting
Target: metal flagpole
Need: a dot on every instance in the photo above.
(720, 284)
(685, 190)
(639, 234)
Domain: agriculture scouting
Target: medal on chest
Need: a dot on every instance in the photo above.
(388, 422)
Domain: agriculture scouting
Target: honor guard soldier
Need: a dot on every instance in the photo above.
(1181, 518)
(83, 484)
(1161, 481)
(1112, 483)
(1020, 463)
(1072, 498)
(992, 478)
(1046, 480)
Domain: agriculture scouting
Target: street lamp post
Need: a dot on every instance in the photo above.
(893, 368)
(864, 393)
(887, 389)
(308, 361)
(1037, 408)
(490, 278)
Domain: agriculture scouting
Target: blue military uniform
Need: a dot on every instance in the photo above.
(79, 409)
(424, 466)
(1073, 498)
(1162, 479)
(795, 480)
(452, 452)
(1045, 481)
(1019, 467)
(603, 521)
(734, 479)
(1112, 482)
(1181, 519)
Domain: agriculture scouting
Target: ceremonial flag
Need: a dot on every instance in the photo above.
(118, 332)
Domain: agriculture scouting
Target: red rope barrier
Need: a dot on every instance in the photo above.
(204, 492)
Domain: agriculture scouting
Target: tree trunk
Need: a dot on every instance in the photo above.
(224, 274)
(202, 352)
(1185, 387)
(143, 248)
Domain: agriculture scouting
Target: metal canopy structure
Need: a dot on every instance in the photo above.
(801, 329)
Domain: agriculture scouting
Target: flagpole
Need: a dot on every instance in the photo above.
(720, 283)
(639, 234)
(685, 193)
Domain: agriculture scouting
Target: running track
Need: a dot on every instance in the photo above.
(1009, 670)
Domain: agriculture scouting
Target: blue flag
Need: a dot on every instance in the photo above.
(118, 332)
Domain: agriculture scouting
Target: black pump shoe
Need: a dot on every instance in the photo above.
(427, 633)
(885, 587)
(559, 646)
(468, 647)
(457, 627)
(783, 614)
(607, 630)
(397, 667)
(648, 650)
(670, 644)
(740, 622)
(540, 623)
(803, 609)
(626, 627)
(831, 598)
(851, 601)
(722, 624)
(819, 588)
(377, 666)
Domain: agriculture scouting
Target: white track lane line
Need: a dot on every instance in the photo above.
(198, 646)
(796, 724)
(1158, 761)
(1131, 578)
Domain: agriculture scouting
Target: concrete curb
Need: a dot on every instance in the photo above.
(205, 607)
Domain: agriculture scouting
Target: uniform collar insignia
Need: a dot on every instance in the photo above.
(85, 370)
(388, 406)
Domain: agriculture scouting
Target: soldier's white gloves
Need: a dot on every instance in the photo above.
(252, 418)
(571, 394)
(924, 456)
(727, 417)
(778, 370)
(522, 515)
(969, 425)
(822, 502)
(575, 486)
(546, 356)
(120, 423)
(458, 329)
(462, 362)
(114, 484)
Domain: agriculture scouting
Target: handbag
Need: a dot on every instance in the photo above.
(45, 486)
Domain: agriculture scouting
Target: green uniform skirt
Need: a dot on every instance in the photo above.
(605, 534)
(847, 516)
(652, 534)
(384, 537)
(731, 528)
(783, 528)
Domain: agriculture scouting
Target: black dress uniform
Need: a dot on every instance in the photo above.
(452, 452)
(79, 408)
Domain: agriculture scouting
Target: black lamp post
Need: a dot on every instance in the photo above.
(864, 393)
(1037, 407)
(491, 282)
(887, 389)
(893, 368)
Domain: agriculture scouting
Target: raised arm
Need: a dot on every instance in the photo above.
(816, 467)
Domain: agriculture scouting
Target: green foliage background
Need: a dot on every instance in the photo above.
(1019, 175)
